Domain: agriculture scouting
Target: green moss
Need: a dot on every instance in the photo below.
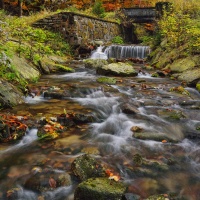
(107, 80)
(64, 68)
(100, 188)
(198, 86)
(155, 75)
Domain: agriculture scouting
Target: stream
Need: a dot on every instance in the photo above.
(168, 167)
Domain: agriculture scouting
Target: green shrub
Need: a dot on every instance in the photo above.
(98, 9)
(118, 40)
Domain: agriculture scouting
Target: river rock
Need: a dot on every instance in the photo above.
(190, 76)
(25, 69)
(10, 95)
(47, 180)
(129, 108)
(198, 86)
(154, 136)
(183, 64)
(117, 69)
(94, 63)
(101, 189)
(158, 196)
(107, 80)
(85, 167)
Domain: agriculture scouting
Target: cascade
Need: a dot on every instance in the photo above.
(121, 52)
(99, 54)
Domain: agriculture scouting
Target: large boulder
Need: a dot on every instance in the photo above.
(24, 68)
(183, 64)
(190, 76)
(117, 69)
(101, 189)
(9, 94)
(94, 63)
(85, 167)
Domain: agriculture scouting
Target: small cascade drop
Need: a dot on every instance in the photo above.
(99, 54)
(122, 52)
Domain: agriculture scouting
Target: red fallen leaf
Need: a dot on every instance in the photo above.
(52, 183)
(164, 141)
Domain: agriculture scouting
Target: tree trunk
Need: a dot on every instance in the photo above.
(2, 5)
(20, 8)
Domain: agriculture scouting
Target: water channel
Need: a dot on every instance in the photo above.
(169, 167)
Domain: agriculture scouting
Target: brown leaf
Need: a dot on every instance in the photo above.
(52, 183)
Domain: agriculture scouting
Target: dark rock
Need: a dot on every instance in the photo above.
(47, 180)
(85, 167)
(101, 189)
(129, 109)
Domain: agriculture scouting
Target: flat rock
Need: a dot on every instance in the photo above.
(117, 69)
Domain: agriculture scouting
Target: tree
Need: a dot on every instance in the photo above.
(20, 2)
(2, 5)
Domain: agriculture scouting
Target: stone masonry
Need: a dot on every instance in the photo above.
(79, 29)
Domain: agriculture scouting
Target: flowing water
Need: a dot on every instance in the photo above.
(130, 51)
(167, 167)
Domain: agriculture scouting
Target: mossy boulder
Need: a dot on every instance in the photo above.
(107, 80)
(171, 114)
(85, 167)
(101, 189)
(25, 69)
(183, 64)
(63, 68)
(190, 76)
(158, 197)
(10, 95)
(198, 86)
(94, 63)
(117, 69)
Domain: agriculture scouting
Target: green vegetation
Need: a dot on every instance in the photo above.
(18, 37)
(107, 80)
(118, 40)
(98, 9)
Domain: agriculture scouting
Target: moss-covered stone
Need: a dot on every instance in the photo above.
(171, 114)
(64, 68)
(158, 197)
(107, 80)
(94, 63)
(85, 167)
(101, 189)
(117, 69)
(198, 86)
(183, 64)
(190, 76)
(180, 90)
(154, 136)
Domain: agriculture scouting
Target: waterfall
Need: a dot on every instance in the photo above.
(99, 54)
(122, 52)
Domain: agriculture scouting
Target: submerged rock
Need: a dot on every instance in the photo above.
(107, 80)
(117, 69)
(154, 136)
(101, 189)
(85, 167)
(47, 180)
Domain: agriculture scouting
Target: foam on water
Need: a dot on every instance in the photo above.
(30, 137)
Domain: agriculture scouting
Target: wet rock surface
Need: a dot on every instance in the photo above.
(100, 188)
(117, 69)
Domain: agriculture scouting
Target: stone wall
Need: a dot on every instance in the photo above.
(79, 29)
